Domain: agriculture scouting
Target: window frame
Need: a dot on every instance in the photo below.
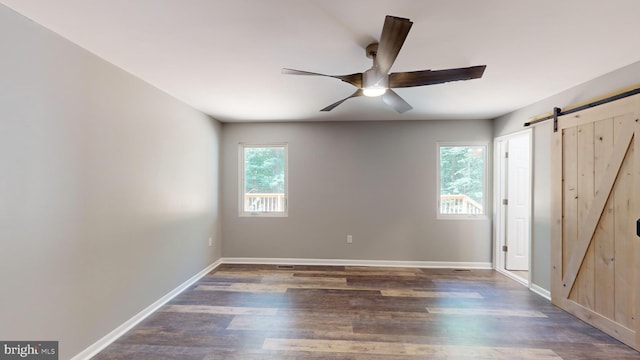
(485, 180)
(241, 178)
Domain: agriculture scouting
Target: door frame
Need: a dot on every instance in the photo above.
(499, 213)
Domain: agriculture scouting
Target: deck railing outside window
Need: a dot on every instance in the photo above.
(459, 204)
(264, 202)
(274, 202)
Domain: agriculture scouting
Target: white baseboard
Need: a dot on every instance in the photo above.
(533, 287)
(508, 274)
(347, 262)
(99, 345)
(541, 291)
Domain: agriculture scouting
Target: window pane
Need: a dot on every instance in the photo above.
(264, 179)
(462, 179)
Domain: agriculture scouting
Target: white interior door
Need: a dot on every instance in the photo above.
(518, 209)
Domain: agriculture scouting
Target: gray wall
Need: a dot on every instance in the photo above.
(108, 190)
(373, 180)
(622, 78)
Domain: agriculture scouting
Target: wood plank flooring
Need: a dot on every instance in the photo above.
(348, 313)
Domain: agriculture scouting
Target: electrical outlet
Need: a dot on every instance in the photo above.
(349, 239)
(210, 241)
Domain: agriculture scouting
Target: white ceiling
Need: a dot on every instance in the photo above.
(224, 57)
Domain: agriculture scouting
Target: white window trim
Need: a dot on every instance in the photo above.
(241, 212)
(485, 186)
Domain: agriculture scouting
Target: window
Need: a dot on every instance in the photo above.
(461, 180)
(263, 180)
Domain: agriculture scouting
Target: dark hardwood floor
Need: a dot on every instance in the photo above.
(321, 312)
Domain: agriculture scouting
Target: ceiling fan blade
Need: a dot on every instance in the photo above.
(353, 79)
(431, 77)
(357, 93)
(394, 100)
(394, 32)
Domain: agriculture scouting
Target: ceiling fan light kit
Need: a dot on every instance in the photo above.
(373, 84)
(377, 81)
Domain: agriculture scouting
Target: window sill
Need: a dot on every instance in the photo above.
(263, 214)
(461, 217)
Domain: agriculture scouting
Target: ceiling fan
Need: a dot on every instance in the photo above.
(377, 81)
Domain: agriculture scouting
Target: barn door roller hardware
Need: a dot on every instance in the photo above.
(557, 112)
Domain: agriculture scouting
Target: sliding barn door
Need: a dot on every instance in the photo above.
(595, 190)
